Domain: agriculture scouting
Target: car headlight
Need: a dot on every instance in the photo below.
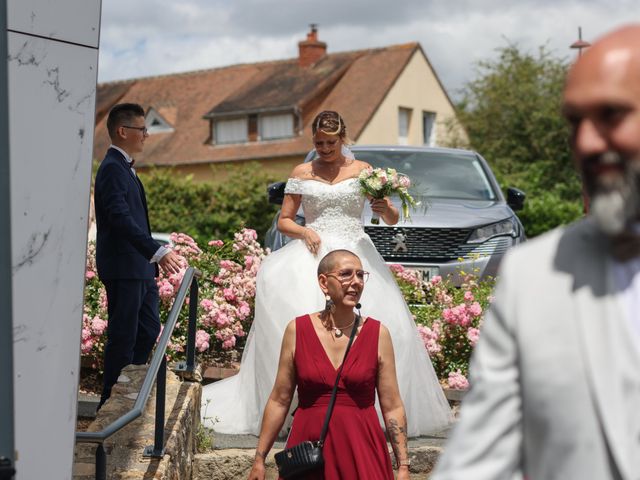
(505, 227)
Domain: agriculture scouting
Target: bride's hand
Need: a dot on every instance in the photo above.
(381, 206)
(311, 240)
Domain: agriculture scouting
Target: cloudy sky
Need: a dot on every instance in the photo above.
(150, 37)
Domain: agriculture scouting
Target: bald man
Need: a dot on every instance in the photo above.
(555, 378)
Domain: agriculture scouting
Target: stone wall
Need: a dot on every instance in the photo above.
(124, 449)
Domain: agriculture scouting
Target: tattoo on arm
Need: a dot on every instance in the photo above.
(397, 432)
(261, 454)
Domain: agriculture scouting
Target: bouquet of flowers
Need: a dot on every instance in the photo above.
(384, 182)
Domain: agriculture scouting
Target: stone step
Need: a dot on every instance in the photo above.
(235, 463)
(233, 455)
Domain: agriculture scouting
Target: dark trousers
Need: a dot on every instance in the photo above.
(134, 325)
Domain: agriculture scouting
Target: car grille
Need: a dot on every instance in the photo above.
(432, 244)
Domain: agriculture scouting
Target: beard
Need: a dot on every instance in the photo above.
(614, 193)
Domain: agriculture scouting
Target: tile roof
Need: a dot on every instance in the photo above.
(352, 83)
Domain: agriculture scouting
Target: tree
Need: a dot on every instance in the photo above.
(511, 112)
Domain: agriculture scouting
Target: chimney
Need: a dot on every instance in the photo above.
(311, 50)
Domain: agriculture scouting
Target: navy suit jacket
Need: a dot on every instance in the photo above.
(123, 241)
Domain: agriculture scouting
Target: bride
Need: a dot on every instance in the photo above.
(329, 191)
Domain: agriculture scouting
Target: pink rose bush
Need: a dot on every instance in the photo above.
(225, 303)
(449, 318)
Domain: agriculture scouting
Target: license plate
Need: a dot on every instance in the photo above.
(429, 272)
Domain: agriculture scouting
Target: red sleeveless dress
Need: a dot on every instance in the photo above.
(355, 446)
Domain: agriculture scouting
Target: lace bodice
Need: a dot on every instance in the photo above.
(331, 209)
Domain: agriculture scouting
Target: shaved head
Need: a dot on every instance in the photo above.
(331, 259)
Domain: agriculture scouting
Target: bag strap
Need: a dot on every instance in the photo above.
(325, 427)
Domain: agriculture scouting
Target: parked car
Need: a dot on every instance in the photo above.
(463, 223)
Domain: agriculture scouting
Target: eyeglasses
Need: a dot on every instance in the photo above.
(141, 129)
(346, 275)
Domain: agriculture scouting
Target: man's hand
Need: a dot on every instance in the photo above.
(170, 263)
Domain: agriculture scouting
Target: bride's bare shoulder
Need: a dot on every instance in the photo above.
(302, 170)
(361, 165)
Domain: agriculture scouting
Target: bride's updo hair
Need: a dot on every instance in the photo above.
(331, 123)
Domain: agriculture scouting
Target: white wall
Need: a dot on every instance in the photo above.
(52, 68)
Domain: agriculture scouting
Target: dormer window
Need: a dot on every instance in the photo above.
(156, 123)
(272, 127)
(233, 130)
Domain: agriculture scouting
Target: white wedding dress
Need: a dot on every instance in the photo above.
(287, 287)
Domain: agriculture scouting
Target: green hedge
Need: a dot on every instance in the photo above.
(205, 210)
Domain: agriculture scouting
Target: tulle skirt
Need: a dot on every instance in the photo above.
(287, 287)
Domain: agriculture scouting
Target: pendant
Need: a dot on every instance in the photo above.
(337, 332)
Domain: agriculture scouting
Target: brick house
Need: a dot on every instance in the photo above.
(263, 111)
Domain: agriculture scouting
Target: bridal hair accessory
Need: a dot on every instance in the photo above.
(307, 456)
(324, 130)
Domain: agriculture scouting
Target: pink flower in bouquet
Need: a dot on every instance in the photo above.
(475, 309)
(229, 294)
(404, 181)
(216, 243)
(473, 334)
(90, 274)
(436, 279)
(202, 340)
(468, 296)
(98, 326)
(457, 381)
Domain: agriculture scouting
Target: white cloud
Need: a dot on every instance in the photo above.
(149, 37)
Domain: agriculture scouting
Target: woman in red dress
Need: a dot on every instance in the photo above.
(312, 351)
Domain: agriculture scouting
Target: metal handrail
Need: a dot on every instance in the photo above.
(189, 281)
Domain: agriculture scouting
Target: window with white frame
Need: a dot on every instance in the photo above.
(404, 121)
(276, 126)
(155, 123)
(234, 130)
(429, 128)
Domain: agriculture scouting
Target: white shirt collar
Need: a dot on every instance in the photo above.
(126, 155)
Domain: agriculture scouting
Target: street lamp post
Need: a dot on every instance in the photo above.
(579, 45)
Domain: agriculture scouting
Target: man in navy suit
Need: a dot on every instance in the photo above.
(127, 256)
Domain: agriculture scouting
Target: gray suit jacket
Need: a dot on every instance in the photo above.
(542, 401)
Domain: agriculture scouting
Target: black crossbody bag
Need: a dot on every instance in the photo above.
(307, 456)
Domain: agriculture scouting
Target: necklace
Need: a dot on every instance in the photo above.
(338, 332)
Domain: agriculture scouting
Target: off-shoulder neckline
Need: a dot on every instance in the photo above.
(323, 182)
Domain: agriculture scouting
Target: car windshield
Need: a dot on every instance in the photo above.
(436, 174)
